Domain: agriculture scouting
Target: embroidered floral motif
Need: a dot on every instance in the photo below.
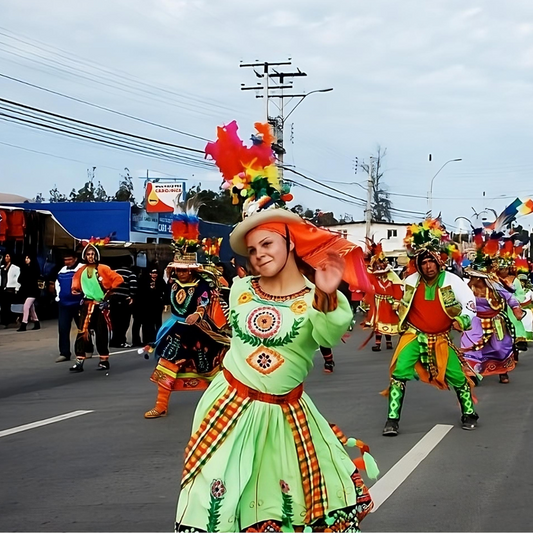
(218, 490)
(287, 512)
(265, 360)
(245, 297)
(299, 307)
(284, 486)
(264, 322)
(255, 340)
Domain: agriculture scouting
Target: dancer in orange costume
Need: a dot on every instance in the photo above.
(388, 289)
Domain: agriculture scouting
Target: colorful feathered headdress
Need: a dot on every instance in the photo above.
(522, 266)
(495, 251)
(185, 226)
(487, 250)
(249, 172)
(375, 254)
(189, 250)
(508, 253)
(95, 243)
(430, 236)
(211, 248)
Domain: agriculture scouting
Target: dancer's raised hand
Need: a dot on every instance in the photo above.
(329, 274)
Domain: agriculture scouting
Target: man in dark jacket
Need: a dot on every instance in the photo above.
(68, 304)
(121, 305)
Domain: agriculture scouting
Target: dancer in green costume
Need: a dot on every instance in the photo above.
(261, 456)
(434, 302)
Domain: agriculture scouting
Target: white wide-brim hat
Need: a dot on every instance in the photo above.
(185, 261)
(237, 238)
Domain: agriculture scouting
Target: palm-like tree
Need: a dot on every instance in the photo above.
(381, 203)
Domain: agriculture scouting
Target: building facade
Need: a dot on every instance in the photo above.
(390, 234)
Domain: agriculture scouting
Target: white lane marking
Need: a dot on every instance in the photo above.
(45, 422)
(383, 488)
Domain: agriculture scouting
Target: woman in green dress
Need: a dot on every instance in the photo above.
(261, 456)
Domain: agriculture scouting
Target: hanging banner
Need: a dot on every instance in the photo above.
(160, 197)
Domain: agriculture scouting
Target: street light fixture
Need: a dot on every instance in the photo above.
(430, 193)
(304, 96)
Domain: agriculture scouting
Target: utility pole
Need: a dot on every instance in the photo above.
(266, 75)
(368, 211)
(274, 83)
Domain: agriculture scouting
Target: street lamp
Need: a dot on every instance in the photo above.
(430, 193)
(279, 123)
(303, 97)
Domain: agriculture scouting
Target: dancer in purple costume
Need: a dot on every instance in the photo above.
(488, 346)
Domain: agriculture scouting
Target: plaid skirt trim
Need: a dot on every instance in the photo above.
(221, 419)
(313, 484)
(212, 432)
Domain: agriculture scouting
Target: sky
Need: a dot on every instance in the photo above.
(449, 78)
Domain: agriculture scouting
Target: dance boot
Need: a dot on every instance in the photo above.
(161, 404)
(396, 397)
(469, 417)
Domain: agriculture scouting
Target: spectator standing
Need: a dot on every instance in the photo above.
(68, 304)
(9, 287)
(29, 291)
(151, 301)
(121, 305)
(137, 312)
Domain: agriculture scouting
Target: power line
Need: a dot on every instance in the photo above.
(53, 125)
(55, 155)
(87, 76)
(120, 113)
(101, 142)
(96, 126)
(50, 49)
(298, 184)
(361, 203)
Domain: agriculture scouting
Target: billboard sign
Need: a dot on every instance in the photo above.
(143, 221)
(165, 224)
(160, 196)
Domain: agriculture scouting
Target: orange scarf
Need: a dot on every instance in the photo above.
(313, 244)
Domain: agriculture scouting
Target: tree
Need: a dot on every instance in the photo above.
(298, 209)
(89, 192)
(125, 188)
(216, 206)
(56, 196)
(39, 199)
(304, 212)
(324, 219)
(381, 203)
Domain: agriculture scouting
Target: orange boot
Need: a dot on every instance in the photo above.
(161, 404)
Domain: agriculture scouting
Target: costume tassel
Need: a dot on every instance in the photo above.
(371, 467)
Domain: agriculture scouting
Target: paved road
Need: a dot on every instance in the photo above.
(111, 470)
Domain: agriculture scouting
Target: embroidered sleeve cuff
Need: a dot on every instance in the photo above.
(325, 302)
(464, 322)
